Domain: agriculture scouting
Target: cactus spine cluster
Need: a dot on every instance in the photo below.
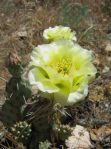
(21, 131)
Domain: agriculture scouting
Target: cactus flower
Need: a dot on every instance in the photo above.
(63, 68)
(59, 32)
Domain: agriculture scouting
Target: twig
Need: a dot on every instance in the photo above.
(85, 32)
(3, 79)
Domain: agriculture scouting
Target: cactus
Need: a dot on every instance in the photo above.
(18, 91)
(61, 132)
(21, 131)
(39, 114)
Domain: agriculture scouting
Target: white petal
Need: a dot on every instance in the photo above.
(77, 96)
(48, 88)
(31, 78)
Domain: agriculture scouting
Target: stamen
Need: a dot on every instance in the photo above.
(63, 66)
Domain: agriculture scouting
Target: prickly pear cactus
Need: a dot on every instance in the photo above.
(18, 91)
(61, 132)
(45, 120)
(20, 106)
(39, 115)
(21, 131)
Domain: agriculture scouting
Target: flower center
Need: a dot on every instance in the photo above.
(63, 66)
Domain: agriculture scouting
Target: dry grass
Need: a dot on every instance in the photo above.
(31, 17)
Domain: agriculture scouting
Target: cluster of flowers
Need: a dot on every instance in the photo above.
(62, 67)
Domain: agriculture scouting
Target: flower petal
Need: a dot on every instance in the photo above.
(77, 96)
(59, 32)
(72, 98)
(64, 85)
(39, 77)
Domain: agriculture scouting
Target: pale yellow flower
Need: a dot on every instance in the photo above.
(63, 68)
(59, 32)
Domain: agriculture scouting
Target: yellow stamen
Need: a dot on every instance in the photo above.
(64, 65)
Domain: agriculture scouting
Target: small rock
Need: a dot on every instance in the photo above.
(105, 69)
(22, 34)
(80, 139)
(108, 47)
